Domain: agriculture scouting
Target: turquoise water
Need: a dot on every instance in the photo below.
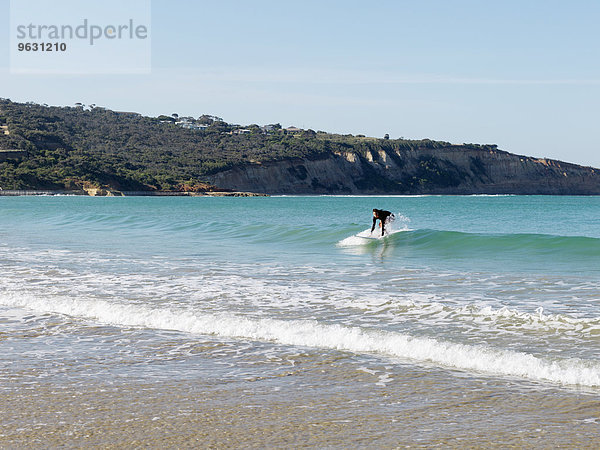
(504, 289)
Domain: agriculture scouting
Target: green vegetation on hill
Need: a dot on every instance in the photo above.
(70, 147)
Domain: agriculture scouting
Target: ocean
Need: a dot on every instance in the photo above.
(270, 322)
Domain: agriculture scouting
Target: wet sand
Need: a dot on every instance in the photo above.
(327, 404)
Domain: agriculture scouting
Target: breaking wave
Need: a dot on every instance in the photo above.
(312, 333)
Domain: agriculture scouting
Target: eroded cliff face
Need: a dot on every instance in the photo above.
(450, 170)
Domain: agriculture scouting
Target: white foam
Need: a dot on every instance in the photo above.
(421, 305)
(413, 296)
(310, 333)
(538, 319)
(362, 238)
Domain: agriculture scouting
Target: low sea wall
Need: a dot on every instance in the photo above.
(17, 192)
(106, 193)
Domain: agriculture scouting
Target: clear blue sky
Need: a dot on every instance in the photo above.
(521, 74)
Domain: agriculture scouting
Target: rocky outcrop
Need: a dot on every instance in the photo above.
(102, 192)
(448, 170)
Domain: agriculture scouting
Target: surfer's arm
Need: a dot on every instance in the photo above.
(374, 222)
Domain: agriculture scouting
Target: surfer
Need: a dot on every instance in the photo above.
(384, 217)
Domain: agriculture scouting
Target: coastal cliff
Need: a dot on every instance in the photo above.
(450, 170)
(102, 152)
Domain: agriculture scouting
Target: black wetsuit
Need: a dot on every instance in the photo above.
(383, 216)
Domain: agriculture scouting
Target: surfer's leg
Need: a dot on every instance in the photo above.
(388, 222)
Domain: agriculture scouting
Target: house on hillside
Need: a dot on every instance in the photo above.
(191, 125)
(294, 130)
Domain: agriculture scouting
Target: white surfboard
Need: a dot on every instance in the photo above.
(364, 237)
(371, 237)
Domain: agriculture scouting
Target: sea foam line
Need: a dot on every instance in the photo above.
(505, 316)
(310, 333)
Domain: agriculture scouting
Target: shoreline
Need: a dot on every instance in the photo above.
(112, 193)
(279, 410)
